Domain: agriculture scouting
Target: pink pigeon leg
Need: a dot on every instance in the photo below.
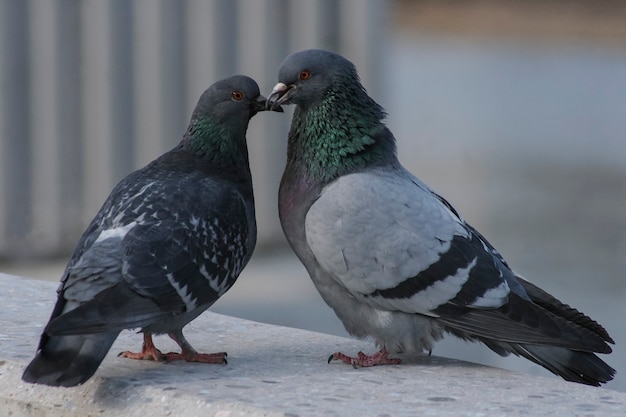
(189, 354)
(148, 351)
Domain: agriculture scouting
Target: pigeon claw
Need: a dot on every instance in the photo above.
(363, 360)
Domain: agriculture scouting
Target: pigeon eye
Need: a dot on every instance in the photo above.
(237, 95)
(305, 75)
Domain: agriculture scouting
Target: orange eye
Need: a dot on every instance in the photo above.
(305, 75)
(237, 95)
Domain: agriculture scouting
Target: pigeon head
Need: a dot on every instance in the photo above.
(307, 77)
(222, 114)
(337, 128)
(233, 100)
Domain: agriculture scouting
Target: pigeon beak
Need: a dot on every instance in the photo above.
(280, 95)
(259, 104)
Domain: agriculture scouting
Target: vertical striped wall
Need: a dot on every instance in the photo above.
(92, 89)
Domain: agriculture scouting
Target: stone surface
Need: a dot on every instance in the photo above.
(272, 371)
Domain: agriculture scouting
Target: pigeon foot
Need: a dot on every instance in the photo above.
(363, 360)
(148, 351)
(189, 354)
(151, 353)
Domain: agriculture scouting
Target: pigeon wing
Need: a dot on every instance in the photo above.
(174, 256)
(392, 243)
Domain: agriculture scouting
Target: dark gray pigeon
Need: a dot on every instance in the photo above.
(168, 242)
(394, 259)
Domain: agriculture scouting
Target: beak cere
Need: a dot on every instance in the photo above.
(279, 95)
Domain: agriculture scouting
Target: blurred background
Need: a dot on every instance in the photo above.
(515, 111)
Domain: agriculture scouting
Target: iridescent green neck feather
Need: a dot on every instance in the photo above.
(220, 142)
(342, 134)
(205, 137)
(218, 147)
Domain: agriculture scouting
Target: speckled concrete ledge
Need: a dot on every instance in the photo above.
(272, 371)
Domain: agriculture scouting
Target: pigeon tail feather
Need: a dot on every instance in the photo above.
(570, 355)
(68, 361)
(574, 366)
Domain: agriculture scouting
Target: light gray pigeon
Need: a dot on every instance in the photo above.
(392, 258)
(168, 242)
